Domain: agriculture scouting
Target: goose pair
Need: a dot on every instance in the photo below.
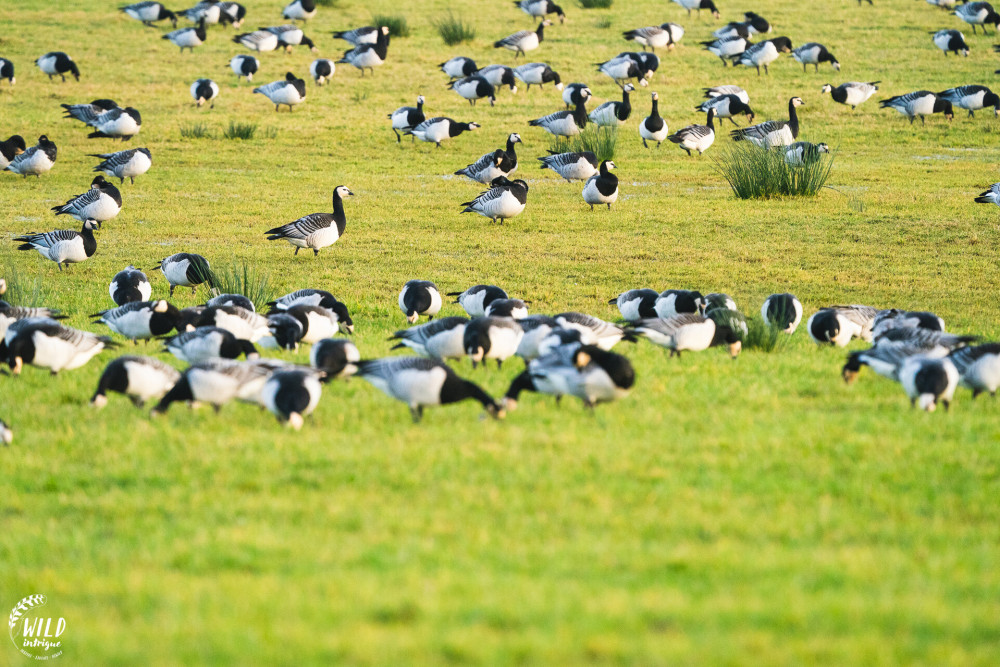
(289, 92)
(773, 132)
(310, 302)
(501, 162)
(523, 41)
(316, 230)
(34, 161)
(585, 371)
(100, 203)
(56, 63)
(504, 200)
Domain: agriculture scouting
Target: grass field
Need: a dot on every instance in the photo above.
(756, 511)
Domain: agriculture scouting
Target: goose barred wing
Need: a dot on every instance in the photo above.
(386, 368)
(515, 38)
(759, 131)
(79, 201)
(692, 132)
(303, 227)
(552, 117)
(83, 340)
(863, 316)
(20, 312)
(426, 331)
(488, 196)
(115, 313)
(113, 161)
(271, 88)
(24, 157)
(85, 113)
(966, 356)
(49, 239)
(480, 164)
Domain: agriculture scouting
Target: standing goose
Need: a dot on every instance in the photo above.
(564, 123)
(523, 40)
(814, 54)
(188, 38)
(441, 339)
(623, 68)
(62, 246)
(419, 297)
(337, 357)
(991, 196)
(459, 67)
(575, 93)
(290, 36)
(207, 343)
(655, 37)
(9, 149)
(47, 344)
(591, 374)
(125, 164)
(491, 338)
(405, 119)
(299, 10)
(88, 113)
(636, 304)
(951, 40)
(440, 129)
(763, 53)
(839, 325)
(689, 333)
(499, 75)
(602, 187)
(291, 395)
(358, 36)
(673, 302)
(204, 90)
(149, 13)
(696, 137)
(289, 92)
(852, 93)
(322, 70)
(978, 13)
(244, 65)
(972, 98)
(782, 311)
(316, 230)
(699, 5)
(258, 40)
(117, 124)
(539, 8)
(614, 113)
(593, 330)
(494, 165)
(929, 381)
(653, 127)
(130, 285)
(369, 56)
(35, 161)
(474, 88)
(140, 319)
(185, 269)
(100, 203)
(57, 63)
(919, 103)
(728, 48)
(571, 166)
(7, 71)
(773, 132)
(475, 299)
(504, 200)
(727, 106)
(979, 367)
(142, 379)
(538, 74)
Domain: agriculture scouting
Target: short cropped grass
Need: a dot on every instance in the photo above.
(754, 172)
(454, 29)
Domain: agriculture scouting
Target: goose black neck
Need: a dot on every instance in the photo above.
(456, 389)
(580, 114)
(540, 31)
(510, 148)
(522, 382)
(655, 113)
(338, 211)
(710, 123)
(793, 118)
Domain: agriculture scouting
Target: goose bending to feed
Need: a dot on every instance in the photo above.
(813, 54)
(571, 166)
(307, 297)
(538, 74)
(653, 127)
(62, 246)
(593, 330)
(419, 297)
(289, 92)
(369, 56)
(322, 70)
(696, 137)
(185, 269)
(928, 382)
(728, 48)
(699, 5)
(655, 37)
(501, 162)
(237, 320)
(574, 93)
(336, 357)
(673, 302)
(358, 36)
(851, 93)
(100, 203)
(474, 88)
(839, 325)
(207, 343)
(290, 36)
(764, 53)
(491, 338)
(88, 113)
(727, 106)
(35, 161)
(515, 309)
(951, 40)
(523, 40)
(188, 38)
(440, 128)
(540, 8)
(587, 372)
(602, 187)
(459, 67)
(404, 119)
(299, 10)
(149, 13)
(47, 344)
(753, 24)
(623, 68)
(783, 311)
(258, 40)
(130, 285)
(498, 76)
(564, 123)
(613, 113)
(7, 71)
(802, 153)
(142, 379)
(972, 98)
(773, 132)
(719, 91)
(689, 332)
(990, 196)
(125, 164)
(636, 304)
(204, 90)
(919, 103)
(140, 319)
(505, 199)
(316, 230)
(292, 395)
(57, 63)
(319, 323)
(441, 339)
(244, 65)
(475, 299)
(978, 367)
(216, 382)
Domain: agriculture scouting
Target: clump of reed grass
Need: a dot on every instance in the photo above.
(754, 172)
(601, 141)
(454, 30)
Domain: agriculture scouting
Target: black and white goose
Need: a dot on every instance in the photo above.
(656, 37)
(420, 383)
(100, 203)
(289, 92)
(290, 36)
(207, 343)
(188, 38)
(851, 93)
(260, 41)
(728, 49)
(972, 98)
(231, 300)
(636, 304)
(475, 299)
(6, 434)
(11, 148)
(322, 70)
(773, 132)
(217, 382)
(515, 309)
(729, 89)
(232, 12)
(587, 372)
(441, 339)
(690, 332)
(540, 8)
(978, 13)
(696, 137)
(623, 68)
(358, 36)
(35, 161)
(459, 67)
(239, 321)
(839, 325)
(505, 199)
(130, 285)
(244, 65)
(564, 123)
(537, 74)
(990, 196)
(369, 56)
(337, 357)
(57, 63)
(47, 344)
(405, 119)
(316, 230)
(474, 88)
(125, 164)
(117, 124)
(928, 382)
(895, 318)
(886, 360)
(299, 10)
(501, 162)
(62, 246)
(950, 40)
(802, 153)
(754, 24)
(813, 54)
(204, 90)
(140, 319)
(292, 395)
(7, 71)
(419, 297)
(142, 379)
(438, 129)
(209, 11)
(674, 302)
(979, 367)
(149, 13)
(185, 269)
(602, 187)
(319, 323)
(727, 106)
(542, 334)
(499, 76)
(9, 315)
(593, 330)
(523, 40)
(648, 62)
(571, 166)
(764, 53)
(653, 127)
(574, 93)
(919, 103)
(491, 338)
(782, 311)
(614, 113)
(284, 332)
(699, 5)
(306, 297)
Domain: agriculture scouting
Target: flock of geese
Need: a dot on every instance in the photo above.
(565, 354)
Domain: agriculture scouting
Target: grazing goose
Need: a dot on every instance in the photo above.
(674, 302)
(782, 311)
(894, 318)
(232, 12)
(47, 344)
(802, 153)
(10, 314)
(117, 124)
(57, 63)
(977, 13)
(142, 379)
(727, 106)
(35, 161)
(575, 93)
(541, 335)
(563, 123)
(540, 8)
(140, 319)
(322, 70)
(188, 38)
(289, 92)
(291, 395)
(459, 67)
(648, 62)
(591, 374)
(951, 40)
(62, 246)
(523, 40)
(441, 339)
(498, 76)
(9, 149)
(491, 338)
(309, 297)
(88, 113)
(244, 65)
(125, 164)
(239, 321)
(718, 301)
(571, 166)
(186, 269)
(7, 71)
(284, 332)
(929, 381)
(337, 357)
(369, 56)
(100, 203)
(537, 74)
(763, 53)
(773, 132)
(720, 91)
(299, 10)
(316, 230)
(929, 341)
(149, 13)
(440, 129)
(130, 285)
(319, 323)
(623, 68)
(258, 40)
(972, 98)
(991, 196)
(689, 332)
(515, 309)
(814, 54)
(839, 325)
(216, 382)
(613, 113)
(754, 24)
(231, 300)
(919, 103)
(852, 92)
(979, 367)
(494, 165)
(209, 11)
(728, 49)
(699, 5)
(419, 297)
(207, 343)
(404, 119)
(474, 88)
(290, 36)
(665, 35)
(593, 330)
(204, 90)
(423, 382)
(365, 35)
(886, 360)
(602, 187)
(653, 127)
(505, 199)
(636, 304)
(696, 137)
(475, 299)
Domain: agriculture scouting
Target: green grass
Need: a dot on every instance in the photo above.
(454, 30)
(760, 173)
(242, 277)
(238, 130)
(756, 510)
(398, 27)
(601, 141)
(596, 4)
(196, 131)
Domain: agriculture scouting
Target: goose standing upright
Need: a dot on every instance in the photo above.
(289, 92)
(851, 93)
(773, 132)
(696, 137)
(35, 161)
(653, 127)
(523, 40)
(494, 165)
(369, 56)
(100, 203)
(316, 230)
(978, 13)
(504, 200)
(188, 38)
(406, 118)
(62, 246)
(125, 164)
(614, 113)
(564, 123)
(601, 188)
(57, 63)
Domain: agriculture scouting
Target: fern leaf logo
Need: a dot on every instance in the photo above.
(23, 606)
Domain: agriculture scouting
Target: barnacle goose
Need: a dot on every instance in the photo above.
(319, 323)
(258, 40)
(648, 62)
(539, 8)
(718, 301)
(719, 91)
(289, 92)
(7, 71)
(140, 319)
(673, 302)
(206, 343)
(783, 311)
(499, 75)
(728, 48)
(130, 285)
(47, 344)
(474, 88)
(421, 382)
(591, 374)
(613, 113)
(602, 187)
(475, 299)
(727, 106)
(337, 357)
(504, 200)
(929, 381)
(291, 395)
(188, 38)
(814, 54)
(990, 196)
(894, 318)
(125, 164)
(117, 124)
(699, 5)
(441, 339)
(564, 123)
(204, 90)
(62, 246)
(542, 335)
(232, 12)
(209, 11)
(406, 118)
(284, 332)
(538, 74)
(838, 325)
(9, 315)
(419, 297)
(571, 166)
(322, 70)
(763, 53)
(802, 153)
(754, 24)
(689, 332)
(459, 67)
(369, 56)
(979, 367)
(6, 434)
(291, 35)
(773, 132)
(358, 36)
(36, 160)
(516, 309)
(57, 63)
(593, 330)
(653, 127)
(307, 297)
(852, 92)
(951, 40)
(299, 10)
(100, 203)
(523, 40)
(149, 12)
(88, 113)
(655, 36)
(217, 382)
(919, 103)
(142, 379)
(244, 65)
(439, 129)
(978, 13)
(886, 360)
(623, 68)
(239, 321)
(316, 230)
(696, 137)
(491, 338)
(186, 269)
(574, 93)
(493, 165)
(972, 98)
(636, 304)
(231, 300)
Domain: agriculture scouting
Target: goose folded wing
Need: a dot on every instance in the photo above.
(516, 37)
(304, 226)
(49, 239)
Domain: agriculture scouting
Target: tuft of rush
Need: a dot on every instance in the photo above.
(773, 132)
